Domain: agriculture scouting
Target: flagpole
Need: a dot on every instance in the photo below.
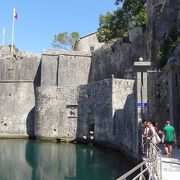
(3, 36)
(12, 42)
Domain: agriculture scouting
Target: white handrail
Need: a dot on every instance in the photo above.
(152, 163)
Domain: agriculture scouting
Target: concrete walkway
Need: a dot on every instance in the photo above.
(171, 166)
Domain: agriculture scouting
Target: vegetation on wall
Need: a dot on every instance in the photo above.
(168, 46)
(115, 25)
(65, 41)
(14, 48)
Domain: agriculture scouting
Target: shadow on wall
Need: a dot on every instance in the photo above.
(31, 115)
(37, 78)
(100, 67)
(124, 125)
(30, 123)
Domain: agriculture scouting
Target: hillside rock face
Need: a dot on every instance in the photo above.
(163, 18)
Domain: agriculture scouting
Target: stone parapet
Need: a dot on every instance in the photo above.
(5, 53)
(66, 53)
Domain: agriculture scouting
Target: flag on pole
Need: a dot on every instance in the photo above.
(4, 35)
(15, 14)
(4, 32)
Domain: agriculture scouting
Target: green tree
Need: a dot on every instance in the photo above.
(117, 24)
(168, 46)
(65, 41)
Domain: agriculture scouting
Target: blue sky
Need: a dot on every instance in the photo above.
(39, 20)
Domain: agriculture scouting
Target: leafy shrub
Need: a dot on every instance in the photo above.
(168, 47)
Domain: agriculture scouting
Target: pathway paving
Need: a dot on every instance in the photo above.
(171, 166)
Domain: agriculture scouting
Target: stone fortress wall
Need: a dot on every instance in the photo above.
(56, 113)
(104, 107)
(63, 68)
(107, 107)
(68, 107)
(57, 98)
(49, 97)
(118, 58)
(18, 81)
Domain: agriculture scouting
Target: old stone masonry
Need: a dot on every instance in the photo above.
(49, 97)
(65, 95)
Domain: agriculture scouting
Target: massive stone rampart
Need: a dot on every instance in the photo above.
(107, 108)
(18, 80)
(18, 66)
(63, 68)
(59, 72)
(17, 108)
(56, 112)
(118, 58)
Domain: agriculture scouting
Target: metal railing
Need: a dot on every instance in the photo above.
(149, 169)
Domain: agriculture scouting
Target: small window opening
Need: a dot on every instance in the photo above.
(91, 48)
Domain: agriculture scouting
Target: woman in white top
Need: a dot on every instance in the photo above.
(152, 133)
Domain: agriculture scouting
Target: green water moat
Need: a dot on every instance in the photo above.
(38, 160)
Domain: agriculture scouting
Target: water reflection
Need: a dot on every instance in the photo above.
(51, 161)
(95, 163)
(32, 160)
(13, 164)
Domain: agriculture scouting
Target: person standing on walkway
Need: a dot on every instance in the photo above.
(152, 139)
(145, 141)
(169, 137)
(152, 133)
(159, 132)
